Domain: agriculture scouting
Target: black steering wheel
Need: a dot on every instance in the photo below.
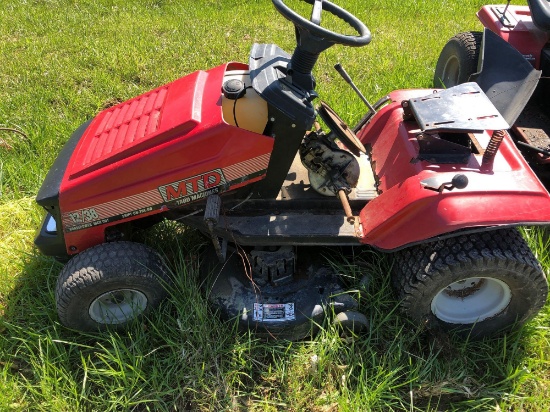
(314, 28)
(312, 39)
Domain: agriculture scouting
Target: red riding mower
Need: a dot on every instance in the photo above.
(486, 59)
(433, 179)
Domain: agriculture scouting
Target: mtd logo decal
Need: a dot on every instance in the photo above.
(193, 188)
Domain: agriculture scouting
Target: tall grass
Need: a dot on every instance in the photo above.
(62, 62)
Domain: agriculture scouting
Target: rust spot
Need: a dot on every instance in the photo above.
(466, 290)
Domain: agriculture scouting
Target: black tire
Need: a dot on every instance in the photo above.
(110, 285)
(501, 283)
(458, 60)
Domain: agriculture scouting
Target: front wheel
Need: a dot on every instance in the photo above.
(110, 285)
(477, 284)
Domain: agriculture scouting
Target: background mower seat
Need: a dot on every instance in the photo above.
(540, 13)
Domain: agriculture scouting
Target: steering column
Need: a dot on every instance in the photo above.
(312, 39)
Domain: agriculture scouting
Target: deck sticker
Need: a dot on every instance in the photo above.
(169, 195)
(273, 312)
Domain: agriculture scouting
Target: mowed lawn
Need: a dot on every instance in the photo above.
(61, 62)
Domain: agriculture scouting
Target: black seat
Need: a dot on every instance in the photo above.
(540, 13)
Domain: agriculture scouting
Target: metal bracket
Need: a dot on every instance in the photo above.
(463, 108)
(433, 149)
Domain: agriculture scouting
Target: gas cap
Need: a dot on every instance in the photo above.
(233, 89)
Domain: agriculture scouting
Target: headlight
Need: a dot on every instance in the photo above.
(51, 225)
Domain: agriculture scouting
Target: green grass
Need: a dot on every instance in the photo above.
(62, 62)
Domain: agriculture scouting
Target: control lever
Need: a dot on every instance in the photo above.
(348, 80)
(458, 181)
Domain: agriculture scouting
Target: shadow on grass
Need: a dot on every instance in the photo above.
(184, 358)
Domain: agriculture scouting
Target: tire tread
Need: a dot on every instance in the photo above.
(416, 267)
(466, 48)
(104, 263)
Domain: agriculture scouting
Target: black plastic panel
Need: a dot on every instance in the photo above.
(268, 72)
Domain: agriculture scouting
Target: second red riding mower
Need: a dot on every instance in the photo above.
(433, 179)
(492, 60)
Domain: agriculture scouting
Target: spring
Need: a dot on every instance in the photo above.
(492, 148)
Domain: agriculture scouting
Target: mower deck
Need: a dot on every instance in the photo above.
(289, 307)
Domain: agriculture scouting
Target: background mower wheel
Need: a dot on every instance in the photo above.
(477, 284)
(458, 60)
(110, 285)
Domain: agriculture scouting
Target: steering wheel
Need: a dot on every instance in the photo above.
(313, 25)
(312, 39)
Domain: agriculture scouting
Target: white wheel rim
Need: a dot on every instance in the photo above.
(451, 72)
(471, 300)
(117, 306)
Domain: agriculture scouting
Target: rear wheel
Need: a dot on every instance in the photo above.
(458, 60)
(477, 284)
(110, 285)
